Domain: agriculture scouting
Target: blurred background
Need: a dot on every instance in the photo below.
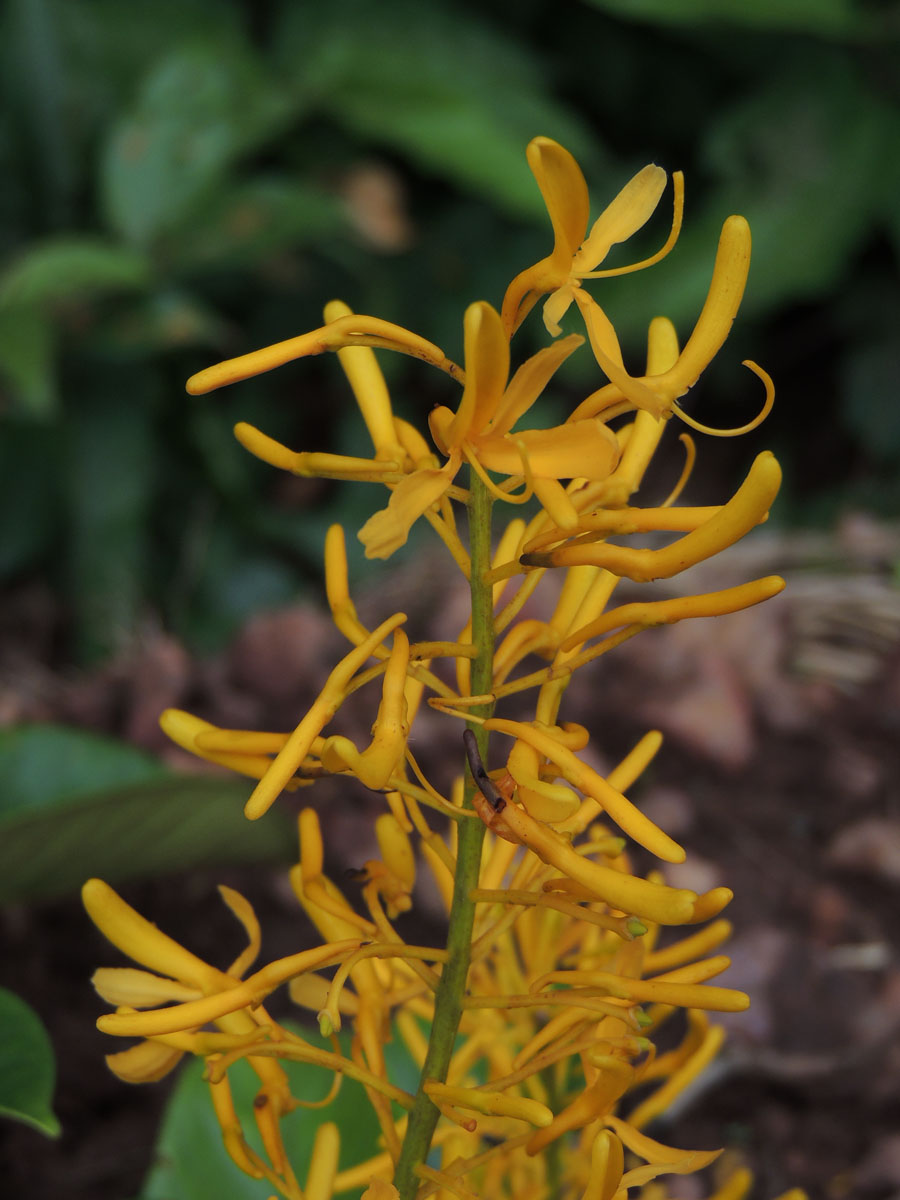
(185, 181)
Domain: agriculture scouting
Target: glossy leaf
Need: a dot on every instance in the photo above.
(27, 1066)
(75, 804)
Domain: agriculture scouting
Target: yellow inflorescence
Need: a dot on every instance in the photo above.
(555, 1074)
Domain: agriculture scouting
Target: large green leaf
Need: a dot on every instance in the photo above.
(245, 225)
(27, 367)
(62, 267)
(459, 98)
(27, 1066)
(829, 17)
(198, 110)
(75, 804)
(191, 1163)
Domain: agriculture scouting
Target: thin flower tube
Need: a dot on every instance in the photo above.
(534, 1022)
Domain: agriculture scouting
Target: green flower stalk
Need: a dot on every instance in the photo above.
(542, 1005)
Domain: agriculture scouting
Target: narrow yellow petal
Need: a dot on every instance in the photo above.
(140, 940)
(631, 209)
(387, 530)
(487, 370)
(147, 1062)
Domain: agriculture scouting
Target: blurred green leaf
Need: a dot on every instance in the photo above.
(27, 1066)
(802, 157)
(108, 479)
(246, 224)
(27, 366)
(60, 268)
(436, 83)
(870, 396)
(29, 496)
(75, 805)
(811, 16)
(197, 111)
(191, 1162)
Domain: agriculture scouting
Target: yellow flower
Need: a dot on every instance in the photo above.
(575, 257)
(481, 433)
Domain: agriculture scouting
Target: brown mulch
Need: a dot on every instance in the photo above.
(778, 773)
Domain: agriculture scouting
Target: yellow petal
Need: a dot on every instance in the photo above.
(580, 449)
(140, 940)
(607, 1161)
(146, 1062)
(387, 530)
(530, 380)
(323, 1162)
(138, 989)
(565, 194)
(655, 1152)
(243, 910)
(487, 370)
(623, 217)
(365, 378)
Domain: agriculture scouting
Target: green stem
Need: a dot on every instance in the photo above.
(450, 992)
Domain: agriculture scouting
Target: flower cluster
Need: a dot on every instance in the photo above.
(534, 1026)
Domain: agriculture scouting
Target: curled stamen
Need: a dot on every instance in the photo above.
(690, 458)
(740, 429)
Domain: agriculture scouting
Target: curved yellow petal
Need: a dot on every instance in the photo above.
(487, 370)
(387, 530)
(565, 194)
(625, 215)
(581, 449)
(147, 1062)
(135, 936)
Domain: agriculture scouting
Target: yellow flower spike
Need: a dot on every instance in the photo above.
(329, 701)
(147, 1062)
(131, 988)
(378, 762)
(660, 1100)
(607, 1164)
(364, 375)
(354, 330)
(630, 819)
(747, 507)
(135, 936)
(193, 1013)
(232, 1134)
(323, 1163)
(495, 1104)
